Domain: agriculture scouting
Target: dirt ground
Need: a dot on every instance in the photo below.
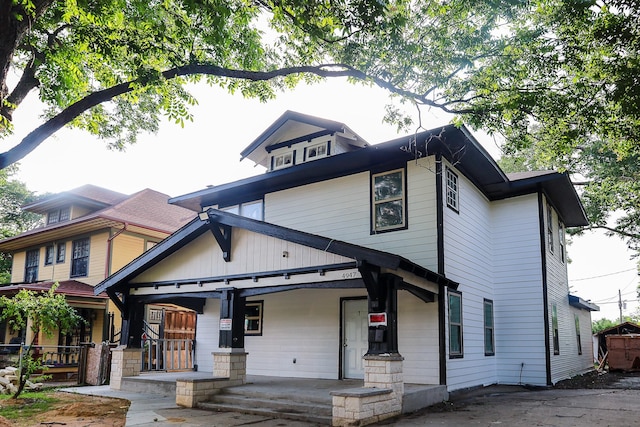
(75, 410)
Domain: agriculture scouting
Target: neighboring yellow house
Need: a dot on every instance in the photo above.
(89, 233)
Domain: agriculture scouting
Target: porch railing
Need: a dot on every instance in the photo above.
(168, 354)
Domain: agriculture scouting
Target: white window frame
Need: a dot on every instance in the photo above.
(322, 145)
(375, 202)
(247, 318)
(243, 208)
(555, 329)
(489, 328)
(458, 353)
(286, 160)
(561, 241)
(452, 189)
(550, 228)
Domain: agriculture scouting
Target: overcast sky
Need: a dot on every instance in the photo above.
(206, 152)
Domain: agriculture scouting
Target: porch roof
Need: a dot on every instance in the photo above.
(66, 287)
(202, 224)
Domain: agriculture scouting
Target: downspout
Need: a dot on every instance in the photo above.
(107, 270)
(107, 265)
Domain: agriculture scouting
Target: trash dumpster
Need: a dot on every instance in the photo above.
(624, 352)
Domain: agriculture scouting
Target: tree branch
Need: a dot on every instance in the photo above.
(42, 132)
(614, 231)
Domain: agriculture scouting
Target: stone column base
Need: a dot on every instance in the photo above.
(125, 362)
(232, 366)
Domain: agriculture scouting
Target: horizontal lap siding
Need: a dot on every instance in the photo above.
(469, 261)
(305, 325)
(568, 363)
(418, 339)
(518, 305)
(341, 209)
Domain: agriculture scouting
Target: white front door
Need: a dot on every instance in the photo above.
(355, 341)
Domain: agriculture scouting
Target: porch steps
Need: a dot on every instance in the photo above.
(314, 410)
(150, 385)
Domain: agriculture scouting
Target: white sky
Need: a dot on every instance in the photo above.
(178, 160)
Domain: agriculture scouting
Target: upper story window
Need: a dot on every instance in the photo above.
(452, 189)
(253, 210)
(561, 240)
(316, 151)
(550, 228)
(61, 250)
(48, 255)
(80, 258)
(388, 201)
(31, 266)
(59, 215)
(281, 161)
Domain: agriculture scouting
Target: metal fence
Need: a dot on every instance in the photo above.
(168, 354)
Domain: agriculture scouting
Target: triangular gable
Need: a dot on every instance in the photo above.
(192, 257)
(293, 125)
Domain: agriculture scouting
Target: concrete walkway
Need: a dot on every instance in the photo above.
(497, 405)
(148, 410)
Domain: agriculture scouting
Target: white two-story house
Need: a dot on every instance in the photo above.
(420, 248)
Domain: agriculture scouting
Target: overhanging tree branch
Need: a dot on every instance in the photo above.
(42, 132)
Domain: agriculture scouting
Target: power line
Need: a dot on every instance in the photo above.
(603, 275)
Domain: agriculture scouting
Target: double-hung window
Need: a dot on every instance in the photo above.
(388, 200)
(554, 323)
(61, 250)
(578, 338)
(31, 266)
(489, 341)
(253, 318)
(80, 258)
(48, 255)
(452, 189)
(550, 228)
(455, 324)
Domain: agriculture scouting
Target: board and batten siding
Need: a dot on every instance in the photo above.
(304, 325)
(568, 362)
(250, 253)
(468, 260)
(340, 208)
(518, 303)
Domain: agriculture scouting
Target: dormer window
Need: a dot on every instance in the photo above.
(316, 151)
(59, 215)
(284, 160)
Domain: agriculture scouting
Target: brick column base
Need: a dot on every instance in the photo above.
(232, 366)
(379, 399)
(125, 362)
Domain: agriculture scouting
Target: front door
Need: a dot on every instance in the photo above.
(355, 341)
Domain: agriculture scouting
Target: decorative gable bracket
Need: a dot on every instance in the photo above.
(222, 233)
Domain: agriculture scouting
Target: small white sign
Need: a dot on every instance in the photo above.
(225, 324)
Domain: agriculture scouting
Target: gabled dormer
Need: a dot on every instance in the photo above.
(297, 138)
(69, 205)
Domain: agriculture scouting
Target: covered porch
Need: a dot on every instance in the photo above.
(311, 292)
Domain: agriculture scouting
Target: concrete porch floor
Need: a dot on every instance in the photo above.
(416, 396)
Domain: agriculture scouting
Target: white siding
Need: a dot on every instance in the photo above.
(518, 304)
(305, 325)
(568, 363)
(250, 252)
(469, 261)
(341, 208)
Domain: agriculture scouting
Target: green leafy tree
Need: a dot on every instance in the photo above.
(601, 324)
(555, 77)
(45, 312)
(13, 220)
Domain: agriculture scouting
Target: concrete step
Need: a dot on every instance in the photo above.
(147, 386)
(292, 406)
(272, 408)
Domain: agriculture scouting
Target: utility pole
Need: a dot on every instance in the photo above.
(620, 304)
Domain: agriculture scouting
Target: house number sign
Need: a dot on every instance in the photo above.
(225, 324)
